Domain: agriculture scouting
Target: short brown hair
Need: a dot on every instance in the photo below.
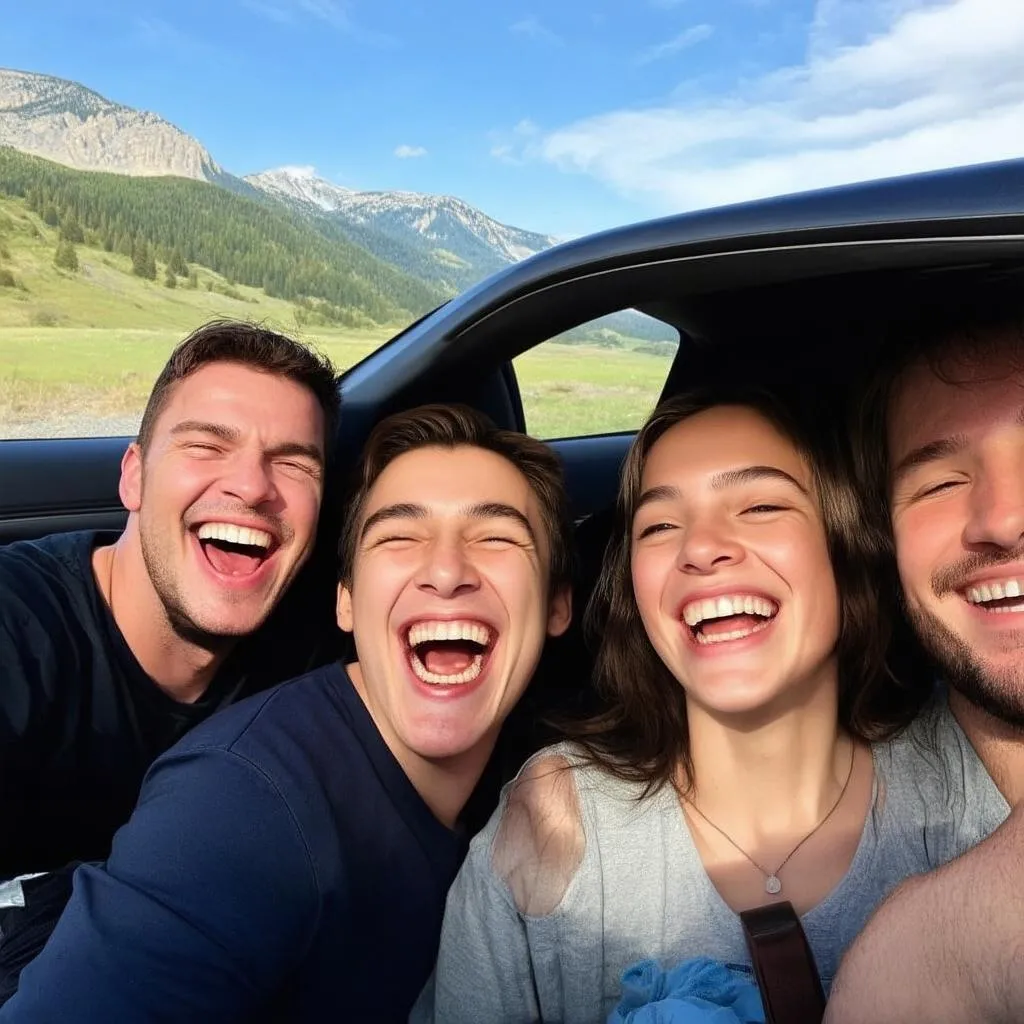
(642, 733)
(456, 426)
(235, 341)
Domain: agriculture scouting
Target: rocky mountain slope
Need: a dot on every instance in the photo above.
(72, 125)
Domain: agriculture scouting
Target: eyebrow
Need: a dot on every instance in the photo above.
(481, 510)
(230, 435)
(721, 481)
(931, 452)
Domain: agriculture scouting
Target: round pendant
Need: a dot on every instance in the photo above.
(772, 885)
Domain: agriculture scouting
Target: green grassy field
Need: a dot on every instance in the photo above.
(79, 351)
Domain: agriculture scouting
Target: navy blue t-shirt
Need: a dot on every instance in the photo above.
(280, 866)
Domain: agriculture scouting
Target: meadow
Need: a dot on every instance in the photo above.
(79, 350)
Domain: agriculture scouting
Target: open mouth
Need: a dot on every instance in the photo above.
(997, 596)
(448, 653)
(235, 550)
(717, 620)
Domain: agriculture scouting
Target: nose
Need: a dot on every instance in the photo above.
(447, 571)
(249, 480)
(707, 545)
(996, 514)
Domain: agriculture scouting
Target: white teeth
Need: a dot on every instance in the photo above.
(733, 634)
(235, 534)
(985, 592)
(425, 632)
(467, 675)
(697, 612)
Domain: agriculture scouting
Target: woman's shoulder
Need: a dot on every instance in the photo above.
(539, 842)
(936, 785)
(933, 751)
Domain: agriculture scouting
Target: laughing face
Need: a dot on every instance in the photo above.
(449, 600)
(957, 452)
(730, 564)
(226, 497)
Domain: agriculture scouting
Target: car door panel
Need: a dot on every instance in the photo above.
(60, 484)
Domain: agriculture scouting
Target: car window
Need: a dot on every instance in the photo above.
(601, 377)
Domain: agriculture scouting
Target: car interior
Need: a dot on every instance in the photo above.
(794, 293)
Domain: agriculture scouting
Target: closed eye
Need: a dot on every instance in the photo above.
(654, 528)
(765, 507)
(937, 488)
(392, 538)
(301, 467)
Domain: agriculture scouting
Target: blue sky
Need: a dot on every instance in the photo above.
(566, 116)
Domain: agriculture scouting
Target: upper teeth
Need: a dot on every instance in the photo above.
(235, 534)
(425, 632)
(719, 607)
(994, 591)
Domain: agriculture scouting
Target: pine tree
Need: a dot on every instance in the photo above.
(177, 264)
(65, 257)
(170, 281)
(50, 216)
(143, 263)
(70, 229)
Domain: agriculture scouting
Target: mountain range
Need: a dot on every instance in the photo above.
(439, 239)
(441, 242)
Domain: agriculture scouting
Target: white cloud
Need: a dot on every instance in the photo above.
(405, 152)
(693, 35)
(269, 11)
(336, 13)
(534, 28)
(508, 147)
(888, 87)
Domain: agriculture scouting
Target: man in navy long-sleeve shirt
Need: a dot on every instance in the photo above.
(289, 859)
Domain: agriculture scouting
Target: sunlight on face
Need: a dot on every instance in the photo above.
(449, 602)
(957, 451)
(227, 496)
(730, 563)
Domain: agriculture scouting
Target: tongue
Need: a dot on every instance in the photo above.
(729, 624)
(446, 657)
(233, 561)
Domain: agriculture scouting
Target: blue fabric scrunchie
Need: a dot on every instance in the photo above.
(697, 991)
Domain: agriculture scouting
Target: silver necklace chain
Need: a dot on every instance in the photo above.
(772, 885)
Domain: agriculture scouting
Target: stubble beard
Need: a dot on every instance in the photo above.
(998, 692)
(181, 622)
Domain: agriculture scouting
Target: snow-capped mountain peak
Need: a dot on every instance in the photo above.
(301, 184)
(447, 223)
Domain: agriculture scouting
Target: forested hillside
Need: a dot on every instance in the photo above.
(178, 222)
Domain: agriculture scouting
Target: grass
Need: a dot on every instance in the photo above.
(571, 390)
(79, 351)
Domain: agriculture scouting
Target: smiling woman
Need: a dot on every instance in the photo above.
(741, 757)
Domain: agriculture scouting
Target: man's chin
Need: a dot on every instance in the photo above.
(994, 684)
(212, 632)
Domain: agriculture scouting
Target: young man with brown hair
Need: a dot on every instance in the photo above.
(945, 454)
(290, 858)
(113, 646)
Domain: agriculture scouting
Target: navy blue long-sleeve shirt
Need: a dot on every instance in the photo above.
(279, 866)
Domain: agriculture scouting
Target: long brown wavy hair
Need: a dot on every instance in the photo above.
(641, 734)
